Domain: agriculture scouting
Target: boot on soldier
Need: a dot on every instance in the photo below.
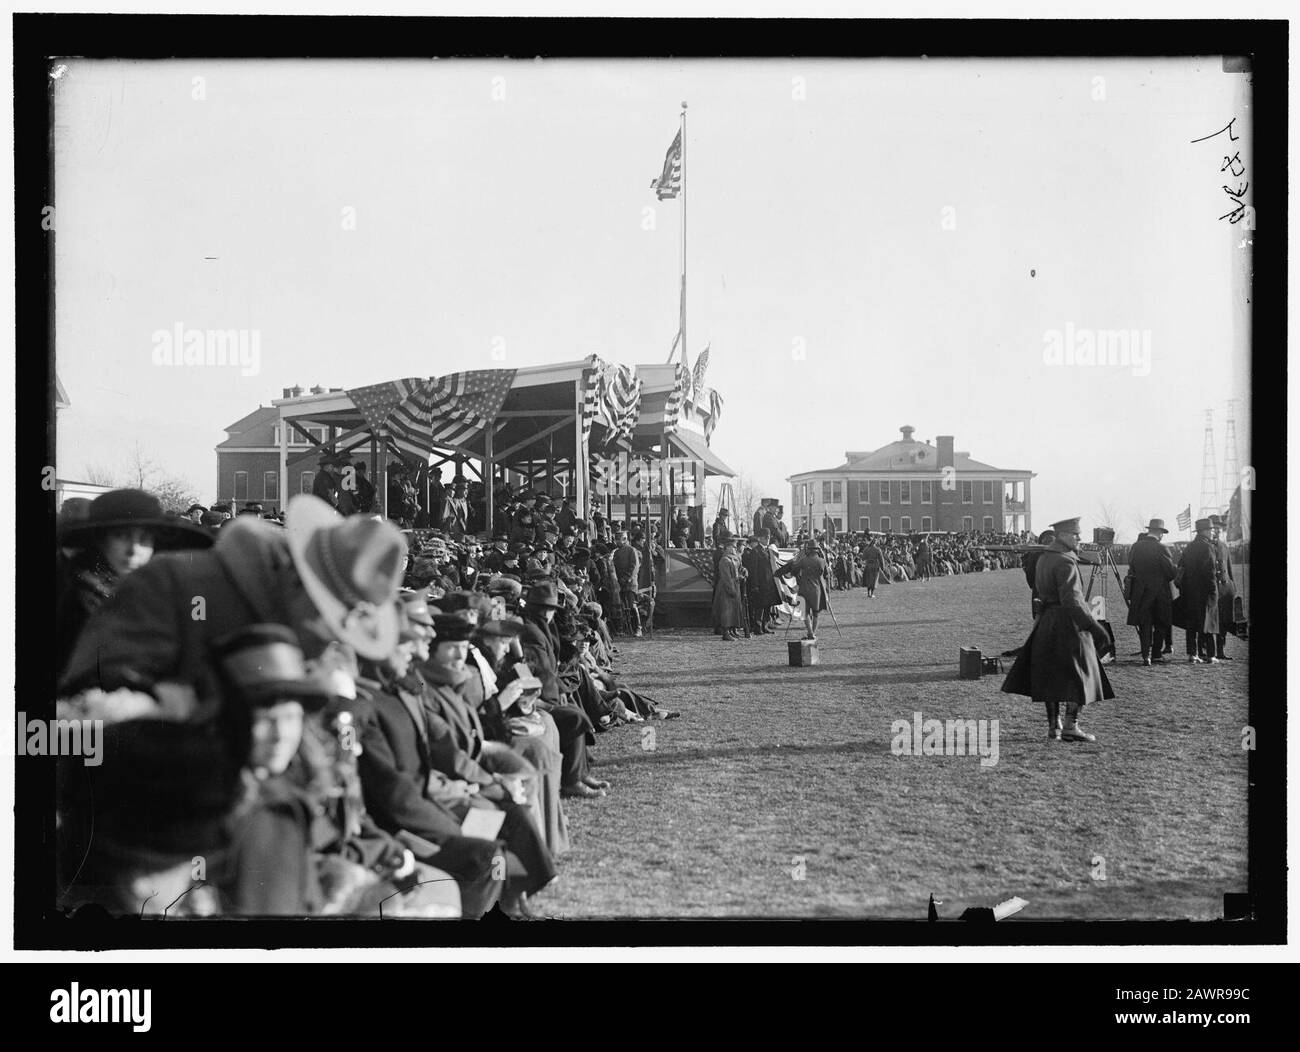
(1054, 720)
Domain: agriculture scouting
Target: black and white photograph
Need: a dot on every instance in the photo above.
(534, 485)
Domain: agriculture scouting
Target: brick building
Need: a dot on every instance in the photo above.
(912, 486)
(248, 461)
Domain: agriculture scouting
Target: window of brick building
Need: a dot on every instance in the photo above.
(864, 523)
(968, 493)
(988, 493)
(967, 524)
(884, 493)
(270, 485)
(905, 524)
(927, 492)
(305, 481)
(241, 485)
(884, 524)
(904, 493)
(927, 524)
(988, 523)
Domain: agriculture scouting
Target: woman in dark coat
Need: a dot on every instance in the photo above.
(1058, 663)
(119, 533)
(810, 581)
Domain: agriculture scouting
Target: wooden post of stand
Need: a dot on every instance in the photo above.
(381, 480)
(489, 478)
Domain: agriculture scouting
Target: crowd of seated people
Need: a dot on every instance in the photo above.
(328, 714)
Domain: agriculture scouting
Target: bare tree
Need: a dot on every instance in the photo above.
(747, 499)
(99, 475)
(140, 469)
(142, 472)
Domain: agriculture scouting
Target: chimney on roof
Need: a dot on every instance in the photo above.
(907, 433)
(318, 389)
(297, 391)
(945, 451)
(287, 392)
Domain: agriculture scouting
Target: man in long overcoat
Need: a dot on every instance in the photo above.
(1227, 586)
(1150, 604)
(1197, 582)
(1058, 662)
(757, 562)
(728, 610)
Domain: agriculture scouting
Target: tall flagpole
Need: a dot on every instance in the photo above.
(685, 363)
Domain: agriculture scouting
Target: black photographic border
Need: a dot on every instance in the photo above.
(37, 38)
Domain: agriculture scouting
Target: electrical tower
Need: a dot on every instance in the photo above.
(1231, 469)
(1209, 472)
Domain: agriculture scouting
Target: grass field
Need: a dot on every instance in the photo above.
(777, 793)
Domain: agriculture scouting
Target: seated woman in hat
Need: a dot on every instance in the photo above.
(119, 533)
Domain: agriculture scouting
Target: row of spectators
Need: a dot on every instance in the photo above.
(327, 716)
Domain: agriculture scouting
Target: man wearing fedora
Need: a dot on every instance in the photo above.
(1058, 662)
(1150, 604)
(1197, 582)
(325, 486)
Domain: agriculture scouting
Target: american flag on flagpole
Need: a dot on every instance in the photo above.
(1185, 518)
(669, 183)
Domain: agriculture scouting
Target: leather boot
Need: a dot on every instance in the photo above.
(1054, 720)
(1072, 732)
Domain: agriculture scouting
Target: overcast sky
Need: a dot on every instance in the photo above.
(918, 230)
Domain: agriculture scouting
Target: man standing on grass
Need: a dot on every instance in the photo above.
(1058, 662)
(1150, 608)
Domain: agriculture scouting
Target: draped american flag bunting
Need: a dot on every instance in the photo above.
(463, 403)
(669, 183)
(673, 406)
(620, 401)
(1185, 518)
(591, 373)
(715, 411)
(377, 402)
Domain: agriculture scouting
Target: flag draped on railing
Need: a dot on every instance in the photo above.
(611, 396)
(676, 398)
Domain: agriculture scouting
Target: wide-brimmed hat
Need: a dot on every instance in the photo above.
(415, 607)
(1203, 524)
(263, 664)
(505, 586)
(453, 628)
(121, 509)
(544, 594)
(351, 568)
(1216, 520)
(505, 629)
(176, 774)
(1157, 524)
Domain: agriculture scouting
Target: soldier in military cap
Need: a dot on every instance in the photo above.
(1058, 662)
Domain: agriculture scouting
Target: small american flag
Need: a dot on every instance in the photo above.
(697, 375)
(1185, 518)
(669, 183)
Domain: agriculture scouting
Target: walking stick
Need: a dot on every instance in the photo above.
(834, 620)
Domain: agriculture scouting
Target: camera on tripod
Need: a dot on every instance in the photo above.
(1103, 536)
